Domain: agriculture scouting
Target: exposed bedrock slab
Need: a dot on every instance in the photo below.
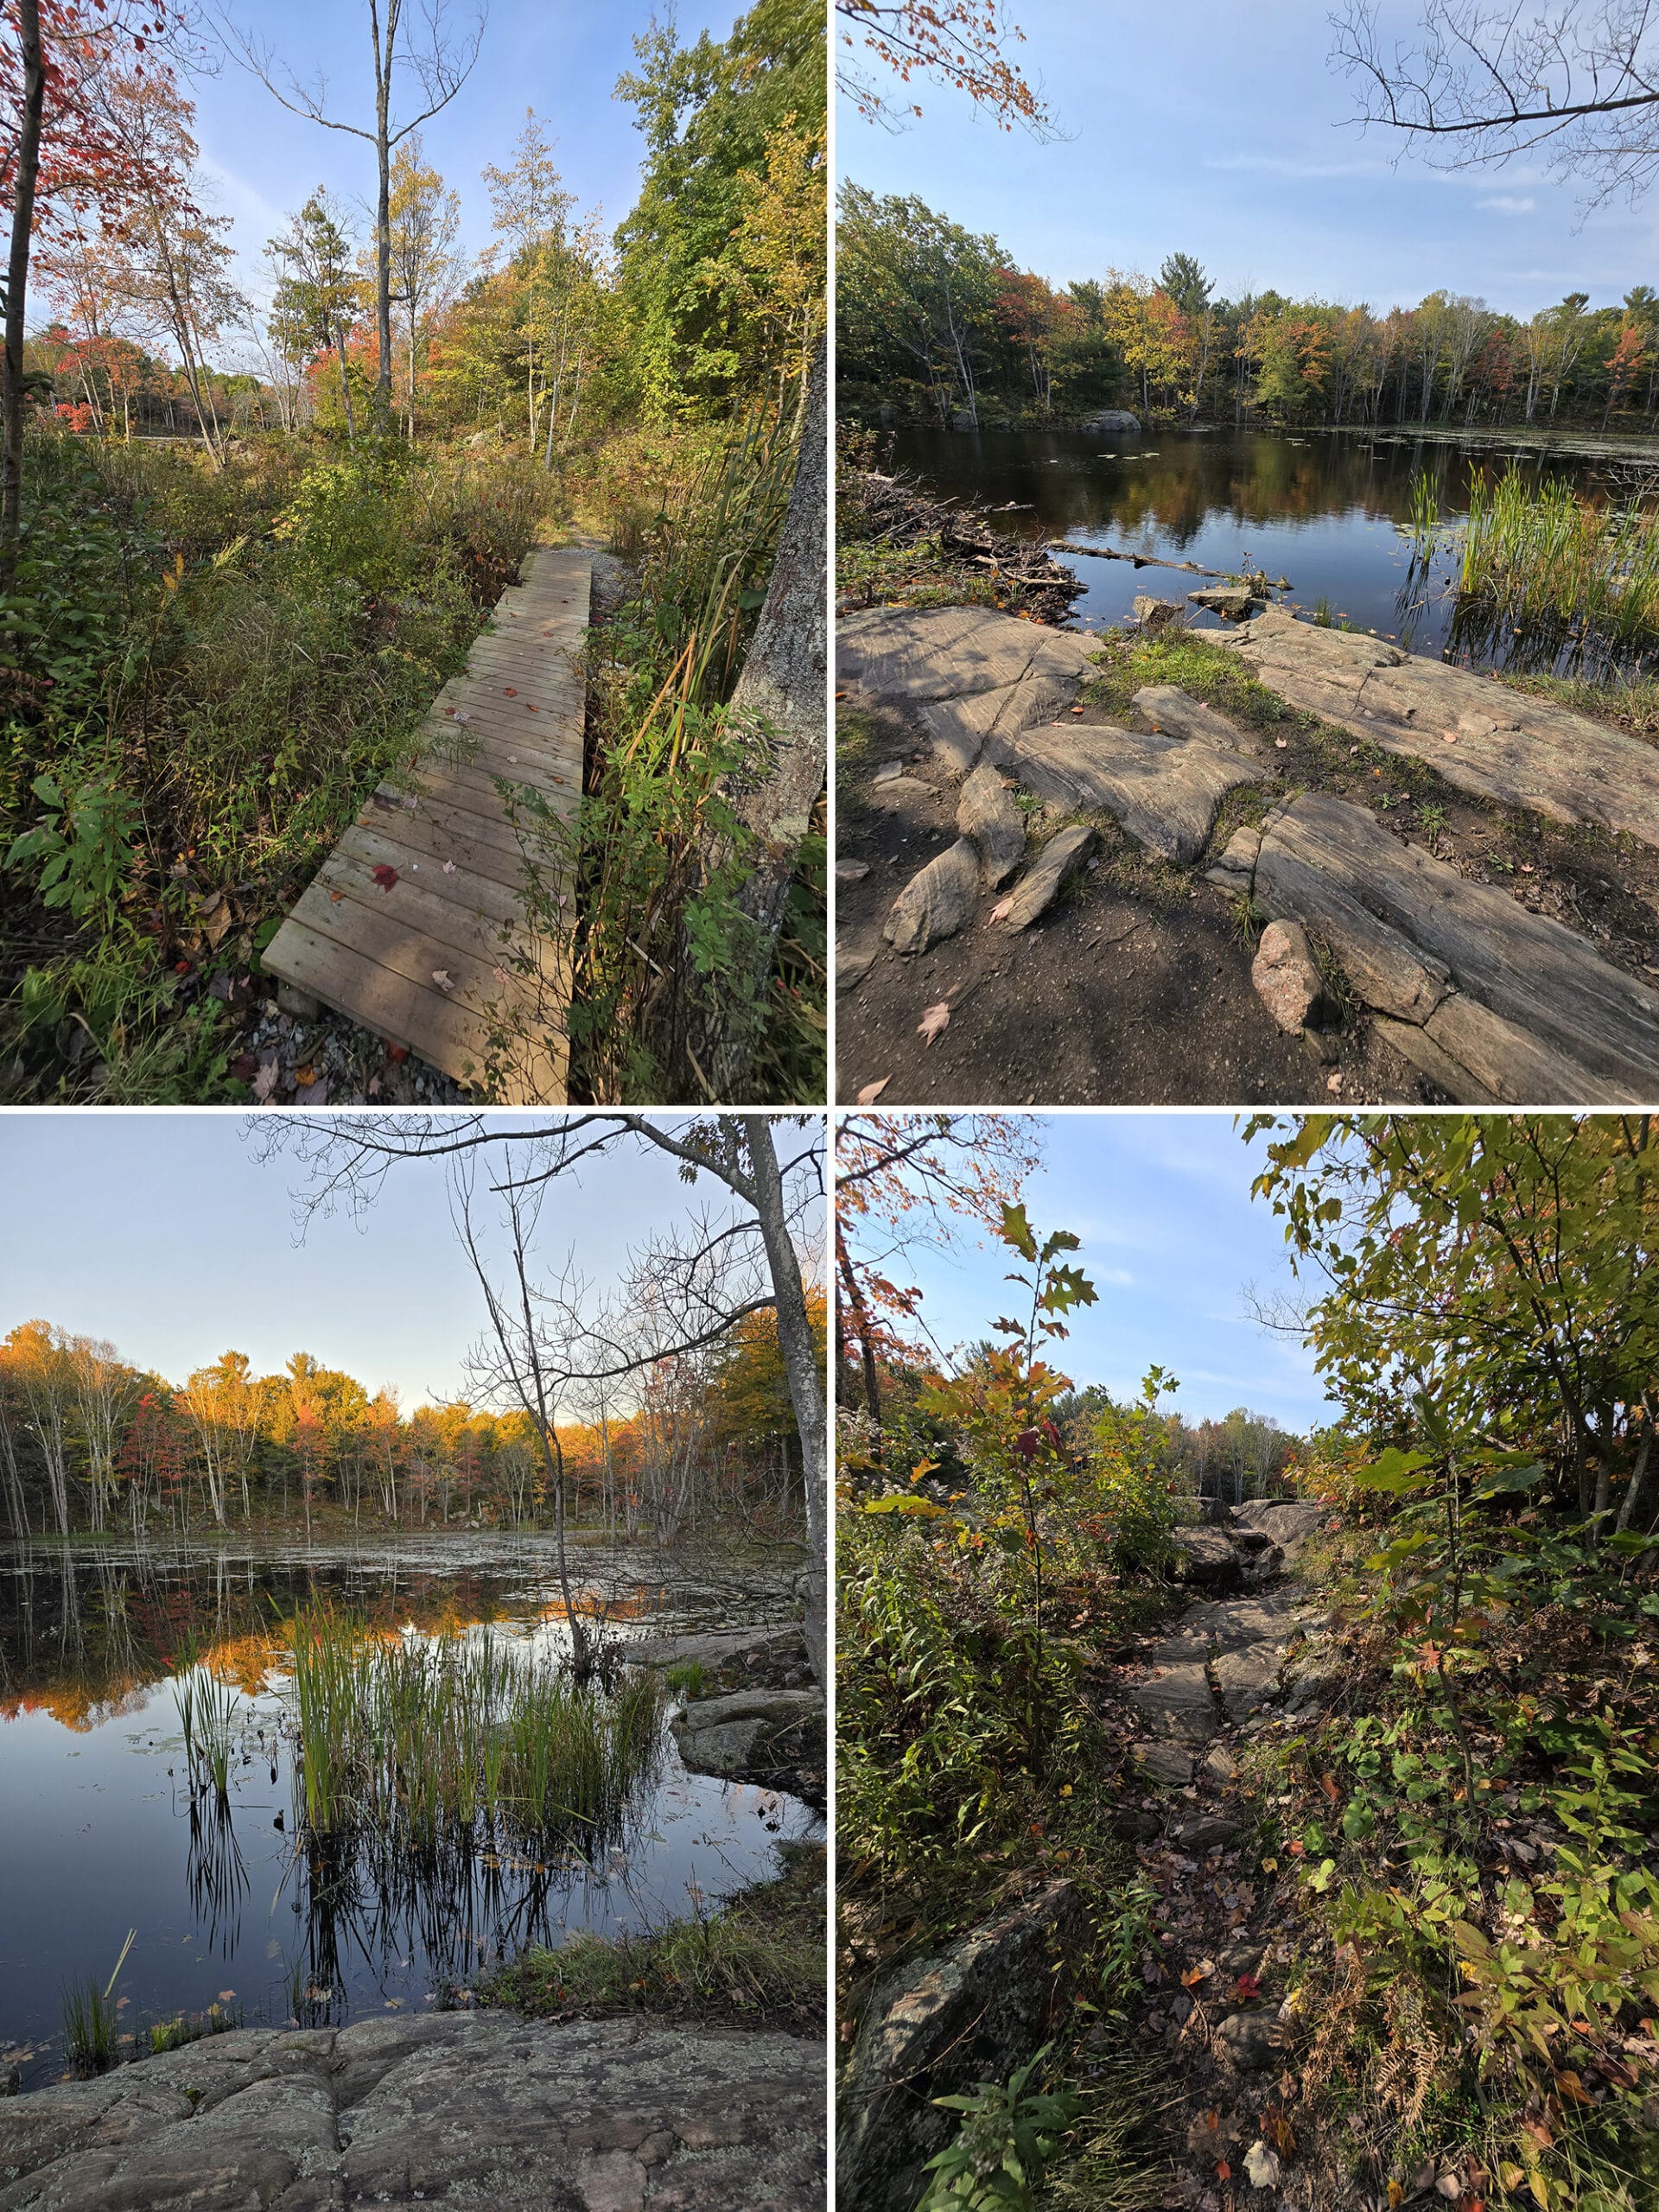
(1042, 882)
(1478, 733)
(936, 901)
(986, 812)
(721, 1735)
(1177, 714)
(1176, 1697)
(961, 674)
(1289, 1524)
(1514, 1008)
(451, 2109)
(1164, 790)
(937, 2026)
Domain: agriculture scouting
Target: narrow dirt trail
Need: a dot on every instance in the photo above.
(1237, 1667)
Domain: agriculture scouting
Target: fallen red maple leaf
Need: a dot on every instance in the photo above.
(385, 876)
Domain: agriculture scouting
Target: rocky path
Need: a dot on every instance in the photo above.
(1241, 1661)
(449, 2110)
(1235, 1667)
(1488, 999)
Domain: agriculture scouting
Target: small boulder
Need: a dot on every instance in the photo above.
(1040, 886)
(1233, 601)
(986, 813)
(1167, 1763)
(1206, 1834)
(937, 901)
(1210, 1560)
(1287, 977)
(939, 2025)
(1251, 2040)
(1155, 614)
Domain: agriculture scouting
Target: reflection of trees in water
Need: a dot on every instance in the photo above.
(1175, 485)
(86, 1632)
(369, 1906)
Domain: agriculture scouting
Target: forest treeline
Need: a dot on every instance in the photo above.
(939, 325)
(89, 1442)
(712, 288)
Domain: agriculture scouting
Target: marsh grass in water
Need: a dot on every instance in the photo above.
(91, 2026)
(1541, 556)
(208, 1714)
(463, 1738)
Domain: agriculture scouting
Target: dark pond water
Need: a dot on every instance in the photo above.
(98, 1835)
(1324, 510)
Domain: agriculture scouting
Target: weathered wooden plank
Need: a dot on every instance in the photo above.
(436, 843)
(486, 822)
(455, 907)
(386, 1003)
(464, 925)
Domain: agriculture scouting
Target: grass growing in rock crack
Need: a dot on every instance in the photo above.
(758, 1960)
(465, 1739)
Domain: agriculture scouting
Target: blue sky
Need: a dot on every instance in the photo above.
(1171, 1236)
(1221, 133)
(161, 1232)
(260, 161)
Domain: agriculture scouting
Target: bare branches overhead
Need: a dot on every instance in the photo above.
(435, 52)
(1481, 82)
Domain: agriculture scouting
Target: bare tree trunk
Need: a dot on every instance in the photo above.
(345, 385)
(784, 687)
(800, 1358)
(383, 210)
(22, 225)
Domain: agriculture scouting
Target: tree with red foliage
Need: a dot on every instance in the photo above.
(60, 147)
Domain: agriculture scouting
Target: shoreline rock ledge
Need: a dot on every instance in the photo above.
(446, 2110)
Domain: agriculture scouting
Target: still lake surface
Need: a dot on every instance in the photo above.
(1324, 510)
(98, 1835)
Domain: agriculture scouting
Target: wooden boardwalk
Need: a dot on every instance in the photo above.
(414, 924)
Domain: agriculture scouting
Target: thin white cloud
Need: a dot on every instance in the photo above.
(1301, 166)
(1505, 203)
(1118, 1275)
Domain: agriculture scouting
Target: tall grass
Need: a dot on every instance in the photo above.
(238, 657)
(660, 855)
(207, 1713)
(91, 2032)
(1422, 522)
(465, 1739)
(1543, 558)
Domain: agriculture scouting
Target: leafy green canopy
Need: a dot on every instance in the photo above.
(707, 112)
(1503, 1263)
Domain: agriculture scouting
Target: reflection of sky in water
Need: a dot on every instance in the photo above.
(1321, 510)
(96, 1837)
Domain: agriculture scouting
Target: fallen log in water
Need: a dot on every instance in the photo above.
(1155, 560)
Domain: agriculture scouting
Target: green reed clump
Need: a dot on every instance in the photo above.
(460, 1738)
(1542, 555)
(91, 2028)
(1422, 521)
(207, 1713)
